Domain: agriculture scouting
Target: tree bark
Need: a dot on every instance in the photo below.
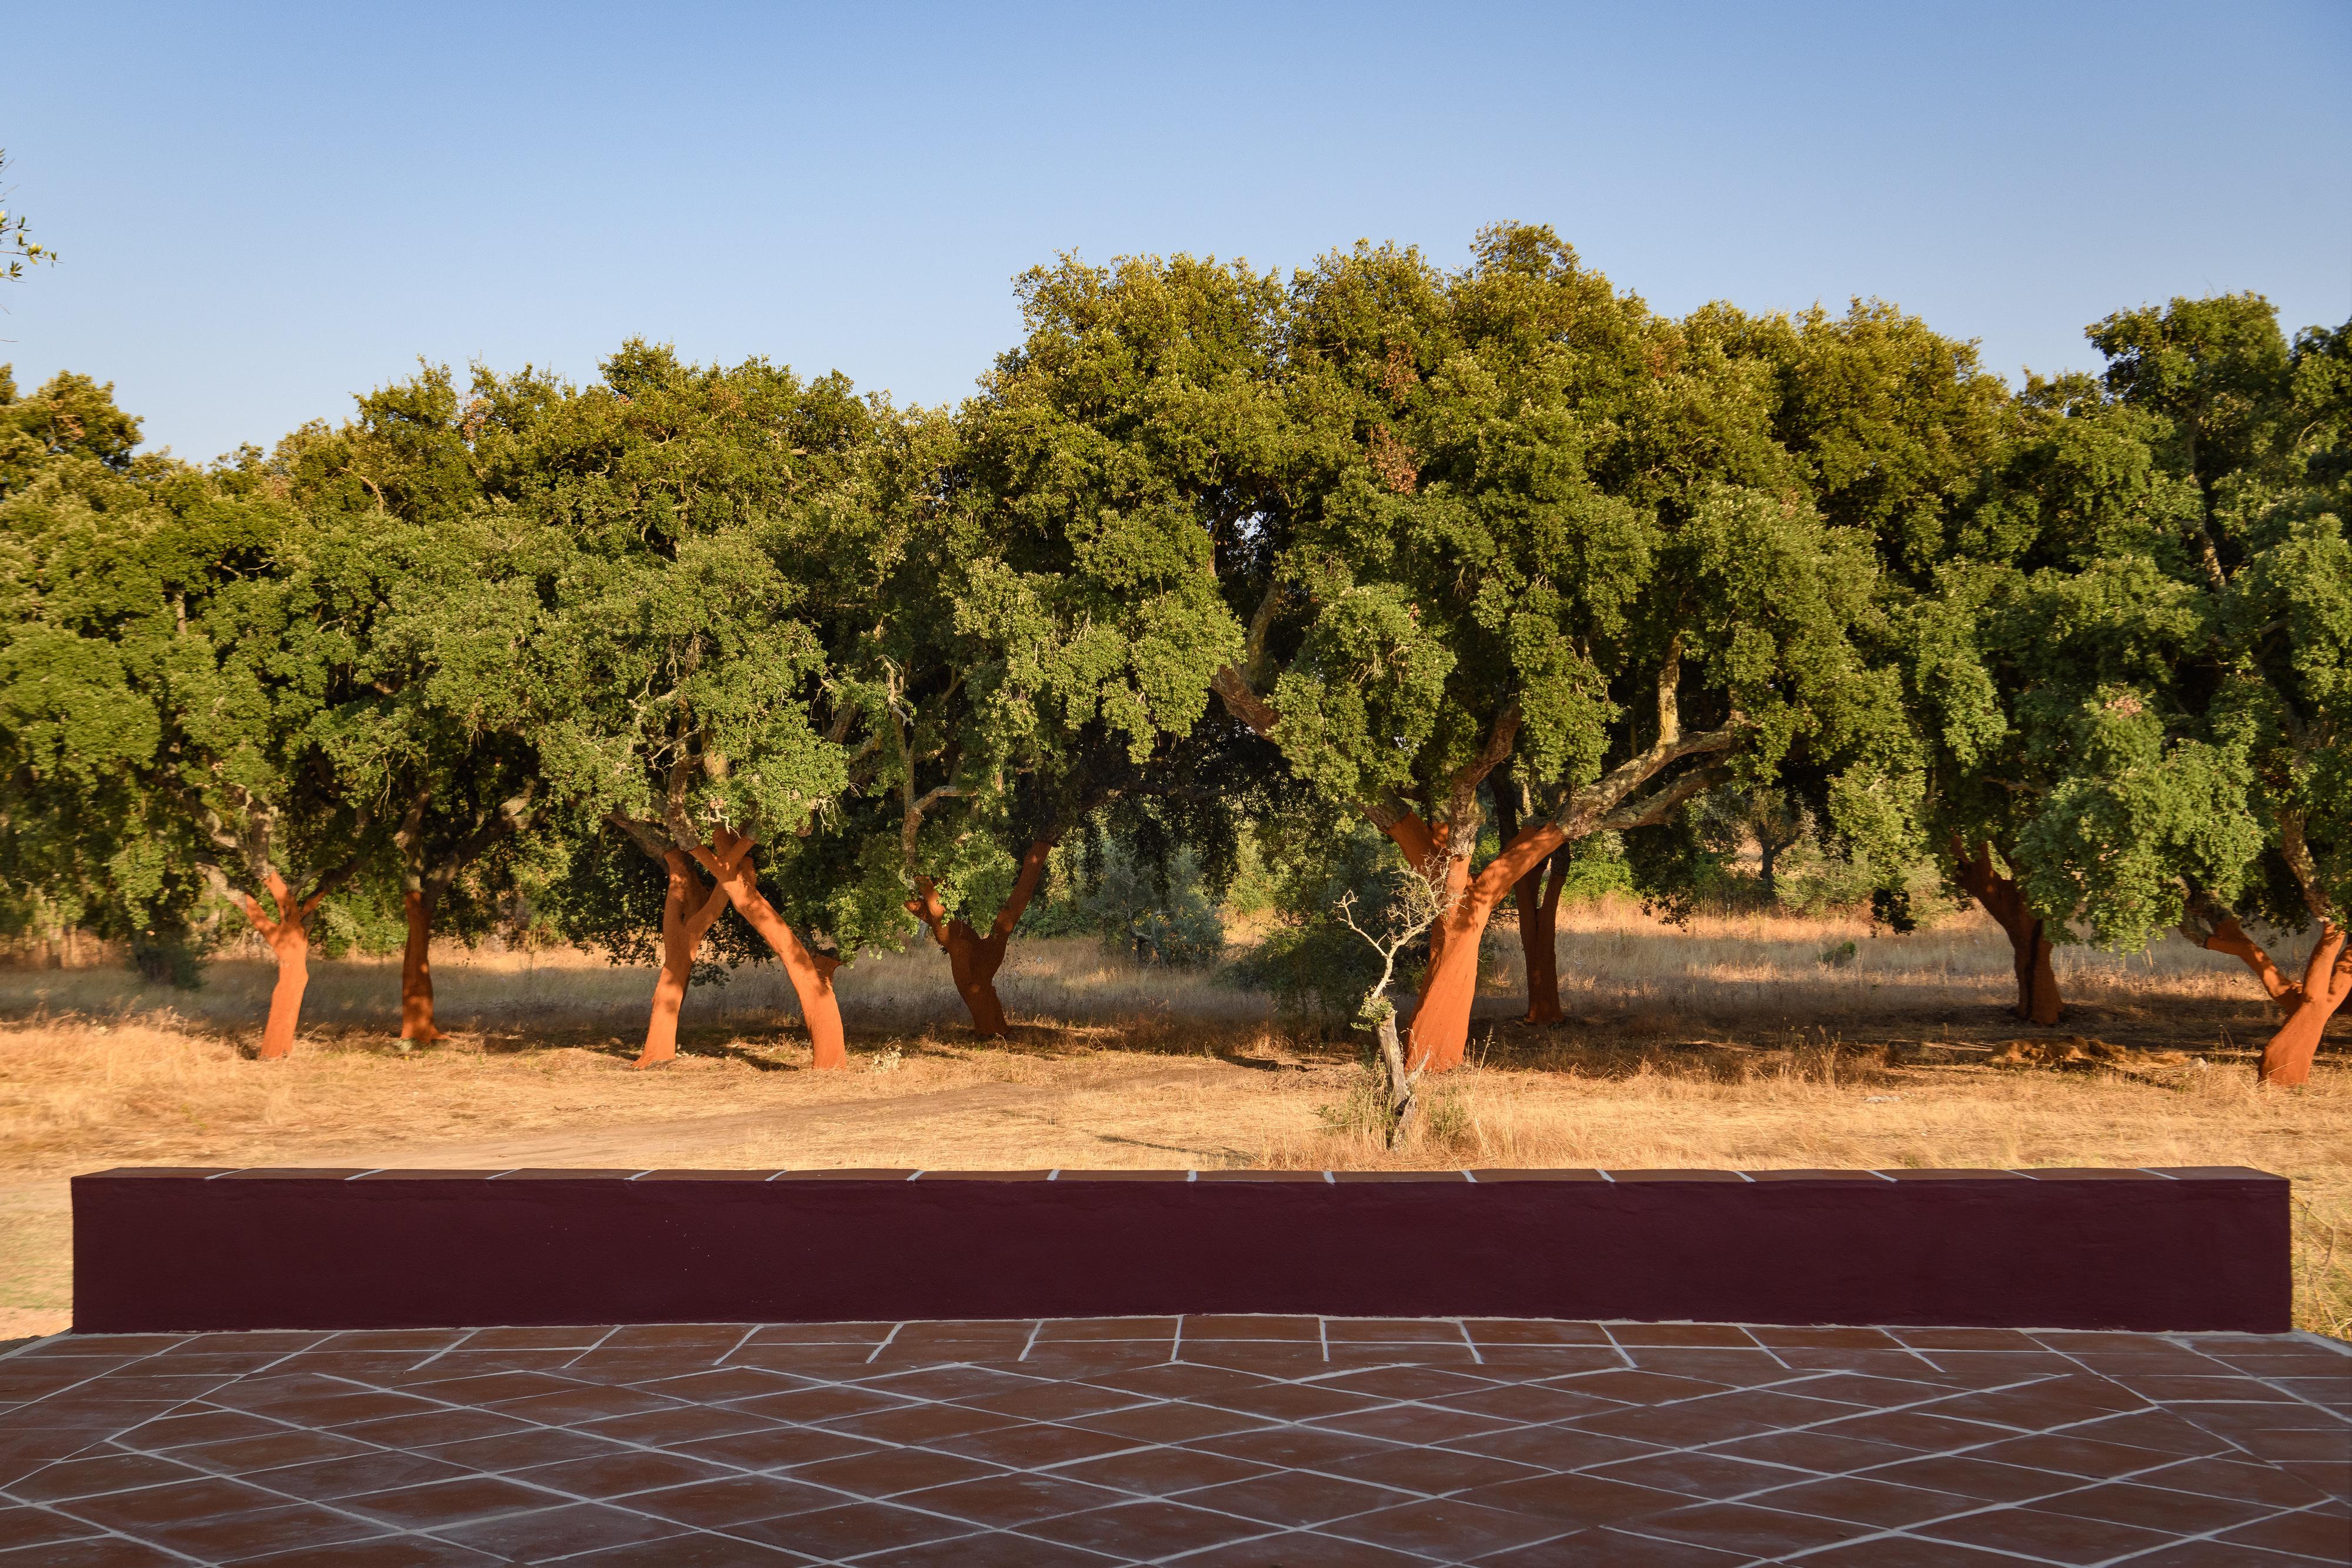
(688, 909)
(728, 861)
(1538, 911)
(2307, 1008)
(2029, 940)
(289, 936)
(973, 959)
(1440, 1032)
(416, 966)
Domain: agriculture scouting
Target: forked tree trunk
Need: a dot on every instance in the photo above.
(973, 959)
(2308, 1007)
(729, 862)
(1440, 1022)
(416, 966)
(289, 936)
(688, 909)
(2029, 938)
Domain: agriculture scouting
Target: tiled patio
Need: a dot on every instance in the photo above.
(1214, 1442)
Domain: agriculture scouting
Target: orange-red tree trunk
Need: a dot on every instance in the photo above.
(689, 908)
(2029, 938)
(2308, 1007)
(1440, 1022)
(416, 968)
(289, 936)
(973, 958)
(728, 861)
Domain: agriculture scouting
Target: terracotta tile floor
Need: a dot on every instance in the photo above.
(1216, 1442)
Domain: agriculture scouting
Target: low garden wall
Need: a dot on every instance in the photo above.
(169, 1249)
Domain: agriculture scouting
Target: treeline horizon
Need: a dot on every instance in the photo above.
(1495, 562)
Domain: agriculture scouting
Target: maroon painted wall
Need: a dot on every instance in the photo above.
(2177, 1249)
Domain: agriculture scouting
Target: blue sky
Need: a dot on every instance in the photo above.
(262, 211)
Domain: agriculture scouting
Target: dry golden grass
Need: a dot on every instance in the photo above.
(1726, 1043)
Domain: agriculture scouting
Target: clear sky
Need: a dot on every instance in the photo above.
(264, 210)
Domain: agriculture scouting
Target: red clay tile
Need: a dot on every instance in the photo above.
(822, 1333)
(1697, 1474)
(1750, 1528)
(1392, 1331)
(377, 1552)
(1140, 1531)
(1295, 1498)
(1453, 1528)
(1553, 1448)
(1910, 1552)
(614, 1475)
(1302, 1549)
(1612, 1548)
(1485, 1331)
(1167, 1422)
(104, 1552)
(104, 1472)
(693, 1551)
(2327, 1536)
(1056, 1330)
(2156, 1507)
(212, 1497)
(1214, 1326)
(888, 1471)
(563, 1532)
(920, 1423)
(850, 1530)
(779, 1447)
(1436, 1470)
(442, 1503)
(1864, 1499)
(728, 1501)
(1007, 1501)
(1159, 1472)
(2037, 1533)
(232, 1537)
(1578, 1502)
(381, 1471)
(1032, 1445)
(991, 1549)
(24, 1526)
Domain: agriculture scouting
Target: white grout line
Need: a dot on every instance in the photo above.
(2008, 1433)
(445, 1348)
(1030, 1344)
(601, 1338)
(887, 1338)
(1477, 1357)
(738, 1345)
(34, 1344)
(1323, 1336)
(1176, 1346)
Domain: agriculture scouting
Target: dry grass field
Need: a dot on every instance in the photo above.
(1728, 1043)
